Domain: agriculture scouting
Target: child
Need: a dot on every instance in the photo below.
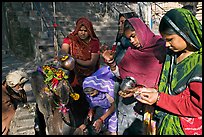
(99, 90)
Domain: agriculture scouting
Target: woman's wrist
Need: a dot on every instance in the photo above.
(102, 121)
(110, 61)
(113, 65)
(158, 97)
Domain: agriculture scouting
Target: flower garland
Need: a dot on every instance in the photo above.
(53, 76)
(61, 107)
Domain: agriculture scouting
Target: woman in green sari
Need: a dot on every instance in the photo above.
(178, 101)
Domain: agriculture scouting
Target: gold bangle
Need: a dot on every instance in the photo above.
(158, 97)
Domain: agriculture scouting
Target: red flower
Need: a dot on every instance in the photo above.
(54, 82)
(55, 25)
(62, 108)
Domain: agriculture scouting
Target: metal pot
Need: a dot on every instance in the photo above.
(68, 62)
(127, 83)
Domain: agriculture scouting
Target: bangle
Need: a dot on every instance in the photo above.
(101, 120)
(111, 61)
(158, 97)
(112, 65)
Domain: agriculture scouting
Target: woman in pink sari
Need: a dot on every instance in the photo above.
(143, 62)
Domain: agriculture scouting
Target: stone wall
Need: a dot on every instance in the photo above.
(28, 33)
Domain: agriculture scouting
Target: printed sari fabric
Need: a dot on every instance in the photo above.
(82, 50)
(176, 77)
(103, 81)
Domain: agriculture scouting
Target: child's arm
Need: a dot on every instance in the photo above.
(99, 122)
(111, 109)
(109, 112)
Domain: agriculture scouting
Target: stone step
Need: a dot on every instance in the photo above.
(46, 45)
(23, 121)
(199, 4)
(199, 7)
(16, 6)
(46, 36)
(34, 13)
(26, 116)
(20, 13)
(199, 12)
(47, 55)
(29, 130)
(100, 23)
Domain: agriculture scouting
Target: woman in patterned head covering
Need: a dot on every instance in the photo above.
(121, 42)
(179, 97)
(83, 45)
(142, 61)
(99, 90)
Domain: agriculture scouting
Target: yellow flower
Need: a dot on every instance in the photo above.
(75, 96)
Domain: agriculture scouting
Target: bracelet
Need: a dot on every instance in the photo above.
(112, 65)
(158, 97)
(111, 61)
(101, 120)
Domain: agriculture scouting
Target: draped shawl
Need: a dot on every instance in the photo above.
(103, 81)
(82, 50)
(144, 64)
(175, 78)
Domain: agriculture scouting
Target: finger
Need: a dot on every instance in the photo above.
(142, 101)
(136, 89)
(90, 118)
(145, 96)
(130, 89)
(128, 95)
(143, 89)
(94, 124)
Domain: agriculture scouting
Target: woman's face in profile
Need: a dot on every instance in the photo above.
(121, 24)
(83, 33)
(132, 37)
(92, 93)
(175, 42)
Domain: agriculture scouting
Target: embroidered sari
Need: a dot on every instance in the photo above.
(82, 50)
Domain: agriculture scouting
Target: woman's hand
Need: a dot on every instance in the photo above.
(90, 114)
(124, 94)
(82, 127)
(108, 55)
(98, 124)
(147, 95)
(129, 92)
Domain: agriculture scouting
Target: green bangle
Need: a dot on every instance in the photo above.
(158, 97)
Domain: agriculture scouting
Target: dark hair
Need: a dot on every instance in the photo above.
(165, 28)
(128, 26)
(128, 15)
(191, 8)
